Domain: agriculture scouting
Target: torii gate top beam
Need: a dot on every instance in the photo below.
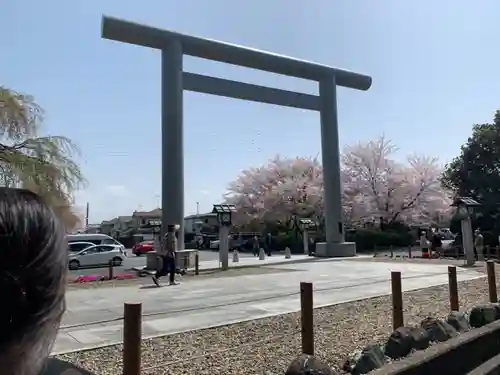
(146, 36)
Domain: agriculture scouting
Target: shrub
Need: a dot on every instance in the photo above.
(367, 240)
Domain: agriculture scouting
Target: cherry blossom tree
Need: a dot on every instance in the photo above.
(278, 191)
(376, 187)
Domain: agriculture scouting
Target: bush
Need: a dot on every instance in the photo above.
(367, 240)
(289, 239)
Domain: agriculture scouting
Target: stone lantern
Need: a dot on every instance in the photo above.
(224, 216)
(465, 208)
(305, 225)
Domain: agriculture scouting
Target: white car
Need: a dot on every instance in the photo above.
(97, 255)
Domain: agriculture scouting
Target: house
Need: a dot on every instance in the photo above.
(144, 224)
(143, 218)
(93, 228)
(116, 227)
(192, 223)
(107, 226)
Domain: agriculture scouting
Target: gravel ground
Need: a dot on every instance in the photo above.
(271, 343)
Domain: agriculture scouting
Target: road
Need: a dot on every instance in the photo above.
(205, 255)
(135, 261)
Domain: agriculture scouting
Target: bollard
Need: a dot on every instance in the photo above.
(397, 300)
(453, 286)
(197, 264)
(307, 317)
(132, 337)
(409, 251)
(288, 253)
(262, 254)
(111, 275)
(392, 252)
(236, 256)
(492, 283)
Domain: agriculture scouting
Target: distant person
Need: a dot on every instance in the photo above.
(33, 269)
(436, 243)
(424, 247)
(167, 254)
(311, 246)
(479, 245)
(255, 246)
(269, 244)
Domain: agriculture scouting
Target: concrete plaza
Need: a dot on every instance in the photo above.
(93, 316)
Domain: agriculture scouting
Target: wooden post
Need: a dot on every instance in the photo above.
(110, 270)
(409, 251)
(397, 300)
(307, 317)
(132, 336)
(197, 264)
(492, 283)
(453, 286)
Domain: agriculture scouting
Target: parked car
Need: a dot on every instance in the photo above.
(240, 243)
(96, 239)
(79, 246)
(243, 242)
(214, 245)
(143, 247)
(97, 255)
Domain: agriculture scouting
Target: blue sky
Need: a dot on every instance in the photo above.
(434, 66)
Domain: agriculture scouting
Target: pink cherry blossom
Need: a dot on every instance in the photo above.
(374, 186)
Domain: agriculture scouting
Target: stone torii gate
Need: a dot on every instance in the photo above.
(174, 80)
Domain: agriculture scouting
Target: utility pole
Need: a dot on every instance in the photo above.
(87, 216)
(197, 208)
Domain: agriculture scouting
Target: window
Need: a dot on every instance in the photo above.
(105, 248)
(78, 246)
(92, 250)
(108, 241)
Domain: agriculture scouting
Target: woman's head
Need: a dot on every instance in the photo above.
(33, 267)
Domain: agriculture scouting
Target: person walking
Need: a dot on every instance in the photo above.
(167, 253)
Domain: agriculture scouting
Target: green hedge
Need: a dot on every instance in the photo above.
(367, 240)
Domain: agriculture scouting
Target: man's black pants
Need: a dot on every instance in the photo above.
(168, 266)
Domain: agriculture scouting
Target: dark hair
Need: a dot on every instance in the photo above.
(33, 268)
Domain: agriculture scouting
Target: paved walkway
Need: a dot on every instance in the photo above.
(201, 303)
(277, 258)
